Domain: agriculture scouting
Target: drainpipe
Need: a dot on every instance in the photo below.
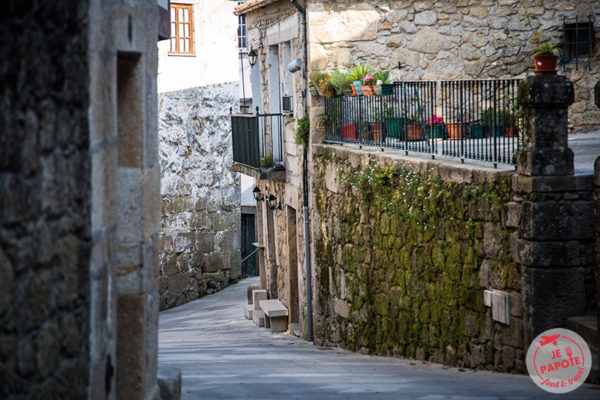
(307, 263)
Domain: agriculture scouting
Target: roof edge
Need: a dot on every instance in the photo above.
(251, 5)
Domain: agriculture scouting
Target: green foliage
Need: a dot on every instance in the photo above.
(409, 246)
(266, 161)
(547, 48)
(340, 81)
(302, 130)
(359, 71)
(317, 77)
(383, 76)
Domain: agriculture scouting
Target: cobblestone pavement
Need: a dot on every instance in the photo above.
(224, 356)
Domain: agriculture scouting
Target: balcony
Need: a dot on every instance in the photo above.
(475, 120)
(257, 145)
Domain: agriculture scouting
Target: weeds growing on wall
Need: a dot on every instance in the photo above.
(405, 256)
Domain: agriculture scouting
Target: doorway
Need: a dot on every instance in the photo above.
(292, 278)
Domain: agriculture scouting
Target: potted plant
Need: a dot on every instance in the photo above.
(456, 130)
(383, 87)
(545, 58)
(341, 82)
(350, 131)
(414, 128)
(394, 126)
(319, 82)
(367, 85)
(491, 127)
(435, 127)
(356, 75)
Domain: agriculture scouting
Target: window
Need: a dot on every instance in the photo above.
(242, 32)
(579, 40)
(182, 29)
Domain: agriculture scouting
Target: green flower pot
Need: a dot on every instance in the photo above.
(395, 127)
(436, 131)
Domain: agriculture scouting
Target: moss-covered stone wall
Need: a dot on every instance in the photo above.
(404, 250)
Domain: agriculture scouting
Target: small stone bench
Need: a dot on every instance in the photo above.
(276, 315)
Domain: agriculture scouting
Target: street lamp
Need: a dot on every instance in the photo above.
(258, 196)
(273, 203)
(252, 57)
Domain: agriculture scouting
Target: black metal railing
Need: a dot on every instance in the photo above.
(257, 139)
(578, 41)
(467, 119)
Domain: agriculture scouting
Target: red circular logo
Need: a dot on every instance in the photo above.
(559, 360)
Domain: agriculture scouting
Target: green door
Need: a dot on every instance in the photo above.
(248, 237)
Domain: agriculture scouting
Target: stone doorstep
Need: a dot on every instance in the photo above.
(258, 317)
(586, 326)
(273, 308)
(248, 308)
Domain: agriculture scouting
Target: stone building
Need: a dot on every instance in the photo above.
(198, 76)
(382, 282)
(79, 200)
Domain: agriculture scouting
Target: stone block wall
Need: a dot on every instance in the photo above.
(200, 229)
(45, 238)
(442, 40)
(404, 250)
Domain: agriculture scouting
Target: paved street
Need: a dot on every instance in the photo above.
(224, 356)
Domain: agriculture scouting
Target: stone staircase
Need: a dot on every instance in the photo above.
(586, 326)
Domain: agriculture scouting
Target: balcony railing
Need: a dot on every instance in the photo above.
(476, 119)
(257, 140)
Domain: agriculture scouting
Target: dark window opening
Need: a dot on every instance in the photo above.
(579, 40)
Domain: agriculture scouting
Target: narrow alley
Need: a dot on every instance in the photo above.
(224, 356)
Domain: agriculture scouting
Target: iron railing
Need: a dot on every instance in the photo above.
(578, 41)
(476, 119)
(257, 140)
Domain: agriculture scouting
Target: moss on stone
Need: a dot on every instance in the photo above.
(411, 246)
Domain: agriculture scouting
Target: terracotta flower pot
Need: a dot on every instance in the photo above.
(545, 64)
(456, 130)
(367, 90)
(414, 132)
(376, 131)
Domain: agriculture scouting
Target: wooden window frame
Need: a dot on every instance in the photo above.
(176, 35)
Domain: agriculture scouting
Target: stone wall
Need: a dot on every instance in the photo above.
(45, 204)
(442, 40)
(404, 250)
(200, 196)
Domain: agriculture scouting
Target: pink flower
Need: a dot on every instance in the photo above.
(435, 120)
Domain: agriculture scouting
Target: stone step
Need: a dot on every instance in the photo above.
(248, 308)
(586, 326)
(258, 317)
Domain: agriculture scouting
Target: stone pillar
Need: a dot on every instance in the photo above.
(546, 100)
(554, 207)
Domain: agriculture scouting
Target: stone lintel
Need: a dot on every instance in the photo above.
(263, 174)
(552, 184)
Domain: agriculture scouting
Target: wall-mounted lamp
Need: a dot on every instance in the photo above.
(258, 196)
(252, 56)
(273, 202)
